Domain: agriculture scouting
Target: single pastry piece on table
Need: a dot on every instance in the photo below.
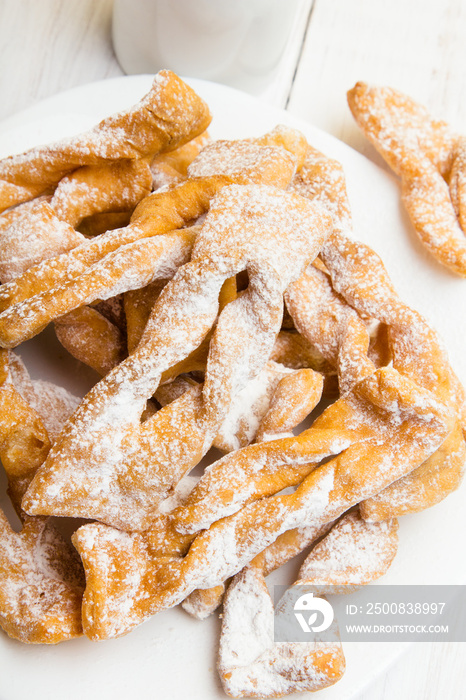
(430, 159)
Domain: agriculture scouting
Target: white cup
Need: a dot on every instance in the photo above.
(237, 42)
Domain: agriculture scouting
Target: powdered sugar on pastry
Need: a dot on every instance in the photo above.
(168, 116)
(35, 235)
(251, 664)
(53, 403)
(105, 436)
(424, 152)
(248, 408)
(40, 597)
(353, 554)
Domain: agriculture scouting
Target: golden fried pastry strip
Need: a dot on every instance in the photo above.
(40, 234)
(100, 545)
(353, 554)
(116, 604)
(158, 214)
(457, 181)
(196, 361)
(167, 212)
(330, 325)
(41, 229)
(222, 163)
(289, 139)
(294, 397)
(427, 156)
(95, 335)
(408, 425)
(42, 581)
(271, 233)
(138, 304)
(316, 309)
(263, 469)
(322, 179)
(113, 606)
(202, 602)
(273, 403)
(401, 127)
(350, 425)
(24, 443)
(122, 600)
(171, 168)
(416, 352)
(42, 584)
(293, 350)
(425, 486)
(358, 274)
(93, 189)
(35, 234)
(251, 161)
(128, 267)
(31, 415)
(53, 403)
(251, 664)
(91, 338)
(168, 116)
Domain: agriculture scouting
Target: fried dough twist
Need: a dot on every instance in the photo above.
(150, 247)
(42, 578)
(128, 463)
(168, 116)
(431, 162)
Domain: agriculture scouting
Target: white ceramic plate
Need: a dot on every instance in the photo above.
(172, 655)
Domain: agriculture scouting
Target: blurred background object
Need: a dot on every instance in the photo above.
(238, 43)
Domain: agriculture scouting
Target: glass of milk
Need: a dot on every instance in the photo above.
(237, 42)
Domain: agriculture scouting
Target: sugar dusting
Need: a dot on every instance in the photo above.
(53, 403)
(251, 664)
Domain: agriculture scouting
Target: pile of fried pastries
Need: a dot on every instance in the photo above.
(219, 291)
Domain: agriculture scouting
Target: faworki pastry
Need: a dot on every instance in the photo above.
(42, 578)
(217, 289)
(168, 116)
(383, 417)
(275, 235)
(102, 267)
(430, 159)
(250, 663)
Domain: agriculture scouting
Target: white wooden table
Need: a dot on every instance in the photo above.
(418, 46)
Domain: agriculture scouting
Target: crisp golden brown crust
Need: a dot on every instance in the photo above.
(185, 428)
(42, 578)
(168, 116)
(182, 311)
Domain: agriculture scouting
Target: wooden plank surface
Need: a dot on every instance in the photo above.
(51, 46)
(418, 46)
